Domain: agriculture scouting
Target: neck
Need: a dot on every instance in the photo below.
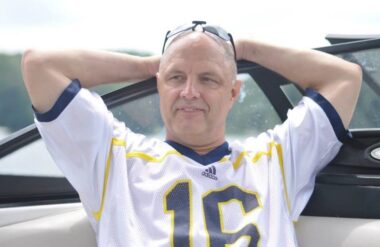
(201, 150)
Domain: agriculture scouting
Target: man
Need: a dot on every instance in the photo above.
(194, 189)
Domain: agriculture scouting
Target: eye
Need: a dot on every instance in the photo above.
(210, 81)
(176, 77)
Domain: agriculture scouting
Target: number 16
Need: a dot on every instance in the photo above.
(178, 203)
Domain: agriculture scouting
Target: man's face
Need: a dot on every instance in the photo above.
(196, 90)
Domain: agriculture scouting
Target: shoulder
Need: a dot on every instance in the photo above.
(144, 145)
(74, 100)
(315, 111)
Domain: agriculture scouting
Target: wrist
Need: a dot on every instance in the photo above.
(241, 49)
(153, 64)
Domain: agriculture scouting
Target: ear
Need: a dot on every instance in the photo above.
(158, 81)
(235, 91)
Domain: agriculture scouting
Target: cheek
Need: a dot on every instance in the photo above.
(167, 99)
(222, 106)
(216, 105)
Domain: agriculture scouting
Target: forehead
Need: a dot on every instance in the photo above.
(194, 47)
(195, 38)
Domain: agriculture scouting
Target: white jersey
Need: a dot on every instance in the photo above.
(140, 191)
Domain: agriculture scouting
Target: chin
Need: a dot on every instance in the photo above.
(188, 132)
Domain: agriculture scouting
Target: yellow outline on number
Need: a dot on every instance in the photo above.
(171, 212)
(221, 214)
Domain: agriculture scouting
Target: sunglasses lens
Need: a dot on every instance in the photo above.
(179, 29)
(218, 31)
(215, 30)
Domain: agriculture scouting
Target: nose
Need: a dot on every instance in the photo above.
(190, 91)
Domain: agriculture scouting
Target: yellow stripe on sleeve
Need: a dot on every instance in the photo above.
(237, 162)
(118, 142)
(281, 161)
(115, 142)
(150, 158)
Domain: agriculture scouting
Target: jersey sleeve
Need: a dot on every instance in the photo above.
(310, 138)
(78, 132)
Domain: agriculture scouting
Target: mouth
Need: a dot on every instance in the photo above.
(189, 109)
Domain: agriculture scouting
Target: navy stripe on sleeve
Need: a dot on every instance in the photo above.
(333, 116)
(63, 100)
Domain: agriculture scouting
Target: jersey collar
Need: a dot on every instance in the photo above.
(213, 156)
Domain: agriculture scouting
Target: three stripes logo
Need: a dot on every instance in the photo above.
(210, 173)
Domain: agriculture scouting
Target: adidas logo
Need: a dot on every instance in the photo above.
(210, 173)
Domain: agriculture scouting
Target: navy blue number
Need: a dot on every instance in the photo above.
(218, 237)
(177, 202)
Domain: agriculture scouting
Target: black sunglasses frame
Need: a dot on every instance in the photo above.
(215, 30)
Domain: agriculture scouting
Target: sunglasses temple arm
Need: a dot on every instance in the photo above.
(166, 39)
(233, 44)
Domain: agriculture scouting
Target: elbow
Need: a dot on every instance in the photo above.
(349, 79)
(32, 61)
(353, 82)
(28, 58)
(355, 75)
(351, 92)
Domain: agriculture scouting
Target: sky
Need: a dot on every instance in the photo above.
(142, 24)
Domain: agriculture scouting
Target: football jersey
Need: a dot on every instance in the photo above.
(141, 191)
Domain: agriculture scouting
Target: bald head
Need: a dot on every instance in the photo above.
(193, 43)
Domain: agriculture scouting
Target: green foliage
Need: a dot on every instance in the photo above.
(15, 106)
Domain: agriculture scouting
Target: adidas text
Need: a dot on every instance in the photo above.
(209, 175)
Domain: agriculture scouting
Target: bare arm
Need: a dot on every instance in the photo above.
(337, 80)
(47, 74)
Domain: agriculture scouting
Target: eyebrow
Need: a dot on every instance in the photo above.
(174, 71)
(208, 73)
(211, 74)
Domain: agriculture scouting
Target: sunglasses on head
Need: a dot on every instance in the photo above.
(215, 30)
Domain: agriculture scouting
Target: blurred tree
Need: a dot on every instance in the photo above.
(15, 107)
